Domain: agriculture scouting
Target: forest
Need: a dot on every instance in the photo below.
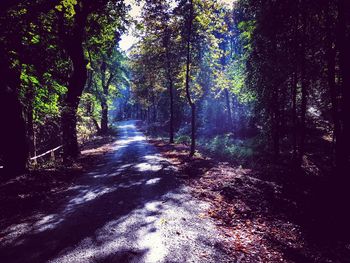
(245, 102)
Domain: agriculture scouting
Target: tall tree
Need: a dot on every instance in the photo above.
(189, 27)
(72, 33)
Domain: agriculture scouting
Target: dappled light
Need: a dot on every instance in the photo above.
(140, 197)
(174, 131)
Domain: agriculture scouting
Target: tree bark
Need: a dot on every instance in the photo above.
(104, 98)
(30, 128)
(333, 92)
(343, 42)
(90, 106)
(188, 95)
(294, 115)
(171, 123)
(294, 90)
(304, 87)
(275, 111)
(276, 129)
(73, 44)
(104, 117)
(74, 47)
(228, 106)
(13, 142)
(171, 91)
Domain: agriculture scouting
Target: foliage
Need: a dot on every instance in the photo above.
(226, 147)
(273, 68)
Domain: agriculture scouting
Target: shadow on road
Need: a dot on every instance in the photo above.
(102, 216)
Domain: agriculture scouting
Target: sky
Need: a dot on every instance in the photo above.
(127, 39)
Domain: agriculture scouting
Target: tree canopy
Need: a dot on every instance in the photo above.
(272, 73)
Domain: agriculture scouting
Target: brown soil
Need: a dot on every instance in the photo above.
(264, 220)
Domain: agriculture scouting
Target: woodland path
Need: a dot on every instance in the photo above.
(131, 208)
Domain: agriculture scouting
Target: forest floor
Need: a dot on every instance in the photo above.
(268, 213)
(135, 200)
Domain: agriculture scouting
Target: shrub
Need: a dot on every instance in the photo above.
(185, 139)
(224, 146)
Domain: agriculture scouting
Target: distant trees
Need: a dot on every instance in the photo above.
(159, 53)
(106, 65)
(107, 75)
(271, 68)
(271, 71)
(295, 69)
(183, 43)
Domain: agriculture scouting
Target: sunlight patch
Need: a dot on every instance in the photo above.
(152, 241)
(154, 158)
(48, 222)
(131, 139)
(13, 232)
(148, 167)
(153, 181)
(127, 126)
(87, 196)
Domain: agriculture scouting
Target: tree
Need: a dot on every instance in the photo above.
(15, 18)
(43, 46)
(200, 21)
(159, 31)
(72, 33)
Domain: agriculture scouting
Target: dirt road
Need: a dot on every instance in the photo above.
(131, 208)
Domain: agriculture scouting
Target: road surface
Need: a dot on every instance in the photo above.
(131, 208)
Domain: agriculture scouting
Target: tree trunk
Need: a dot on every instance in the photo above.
(170, 83)
(302, 118)
(104, 103)
(171, 106)
(333, 92)
(304, 87)
(171, 123)
(90, 106)
(188, 95)
(294, 90)
(294, 115)
(104, 117)
(30, 130)
(13, 142)
(148, 114)
(235, 120)
(343, 42)
(275, 111)
(75, 88)
(154, 112)
(74, 46)
(30, 121)
(95, 122)
(229, 114)
(276, 131)
(193, 130)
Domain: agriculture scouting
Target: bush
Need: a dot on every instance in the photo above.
(224, 146)
(185, 139)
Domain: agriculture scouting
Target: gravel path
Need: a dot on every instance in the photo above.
(129, 209)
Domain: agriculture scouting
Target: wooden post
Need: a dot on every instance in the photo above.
(53, 156)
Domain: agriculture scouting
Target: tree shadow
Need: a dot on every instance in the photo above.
(90, 219)
(286, 201)
(123, 256)
(108, 194)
